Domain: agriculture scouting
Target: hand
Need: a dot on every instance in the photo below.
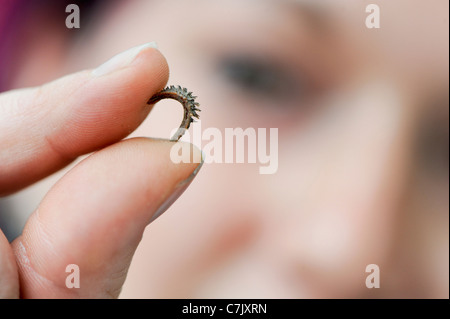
(95, 215)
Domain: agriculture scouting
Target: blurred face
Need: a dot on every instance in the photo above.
(362, 147)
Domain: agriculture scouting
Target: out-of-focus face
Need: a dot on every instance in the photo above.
(362, 122)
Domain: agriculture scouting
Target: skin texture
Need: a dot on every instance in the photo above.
(72, 121)
(71, 224)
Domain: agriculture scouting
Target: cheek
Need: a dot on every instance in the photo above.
(341, 189)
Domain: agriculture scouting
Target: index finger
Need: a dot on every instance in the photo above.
(45, 128)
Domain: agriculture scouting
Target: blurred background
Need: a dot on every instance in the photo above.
(362, 118)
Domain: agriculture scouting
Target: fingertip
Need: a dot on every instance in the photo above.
(149, 70)
(112, 106)
(160, 69)
(96, 214)
(74, 115)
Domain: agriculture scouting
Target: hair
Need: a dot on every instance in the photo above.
(22, 19)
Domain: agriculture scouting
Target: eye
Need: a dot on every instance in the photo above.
(433, 141)
(260, 78)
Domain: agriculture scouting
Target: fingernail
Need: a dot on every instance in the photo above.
(121, 60)
(179, 189)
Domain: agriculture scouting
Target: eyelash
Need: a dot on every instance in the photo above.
(259, 78)
(186, 98)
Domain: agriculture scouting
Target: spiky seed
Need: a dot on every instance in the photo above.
(186, 98)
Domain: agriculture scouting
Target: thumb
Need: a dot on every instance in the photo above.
(94, 218)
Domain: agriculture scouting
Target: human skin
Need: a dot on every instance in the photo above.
(348, 192)
(60, 124)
